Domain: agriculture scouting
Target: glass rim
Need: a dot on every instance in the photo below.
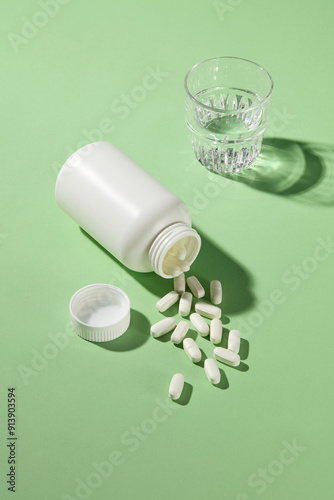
(229, 111)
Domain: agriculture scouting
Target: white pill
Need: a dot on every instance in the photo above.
(162, 327)
(185, 303)
(173, 265)
(176, 386)
(195, 287)
(180, 252)
(233, 343)
(225, 356)
(180, 332)
(216, 292)
(216, 331)
(208, 310)
(172, 259)
(212, 371)
(180, 283)
(171, 269)
(183, 264)
(199, 324)
(167, 301)
(192, 350)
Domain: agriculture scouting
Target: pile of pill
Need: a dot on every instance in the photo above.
(203, 310)
(175, 260)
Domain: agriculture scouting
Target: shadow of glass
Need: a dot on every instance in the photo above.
(186, 395)
(299, 170)
(211, 263)
(137, 334)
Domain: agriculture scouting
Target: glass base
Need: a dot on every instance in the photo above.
(226, 158)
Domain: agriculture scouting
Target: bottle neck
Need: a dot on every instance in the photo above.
(174, 250)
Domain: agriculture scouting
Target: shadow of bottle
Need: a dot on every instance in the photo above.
(211, 263)
(299, 170)
(214, 264)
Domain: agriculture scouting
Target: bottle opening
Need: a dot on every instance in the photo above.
(180, 256)
(174, 250)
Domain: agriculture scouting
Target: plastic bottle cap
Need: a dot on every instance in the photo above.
(100, 312)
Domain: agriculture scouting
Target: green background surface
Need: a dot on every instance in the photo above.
(266, 234)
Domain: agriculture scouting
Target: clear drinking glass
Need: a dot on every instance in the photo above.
(227, 111)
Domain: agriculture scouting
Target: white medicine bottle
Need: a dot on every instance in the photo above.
(137, 219)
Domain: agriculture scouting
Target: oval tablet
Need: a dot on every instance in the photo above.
(171, 269)
(208, 310)
(195, 287)
(225, 356)
(212, 371)
(174, 265)
(215, 292)
(185, 303)
(233, 343)
(167, 301)
(180, 283)
(180, 332)
(176, 386)
(180, 252)
(162, 327)
(192, 350)
(199, 324)
(216, 331)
